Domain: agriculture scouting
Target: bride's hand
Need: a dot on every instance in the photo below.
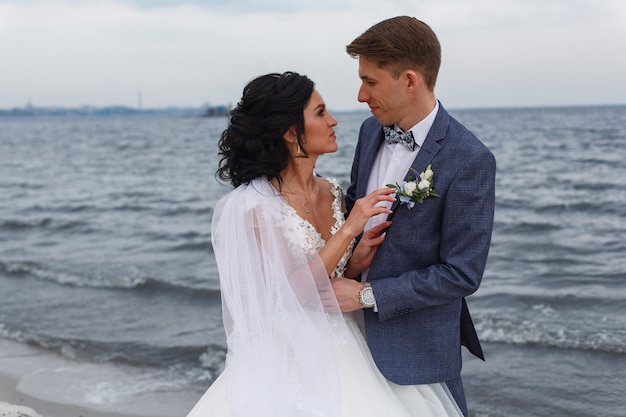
(366, 249)
(363, 209)
(367, 207)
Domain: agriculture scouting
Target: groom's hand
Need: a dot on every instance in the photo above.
(347, 293)
(366, 249)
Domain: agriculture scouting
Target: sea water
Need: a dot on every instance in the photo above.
(106, 263)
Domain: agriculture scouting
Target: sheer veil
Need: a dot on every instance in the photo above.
(279, 311)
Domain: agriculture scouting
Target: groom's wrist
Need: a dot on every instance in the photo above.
(366, 296)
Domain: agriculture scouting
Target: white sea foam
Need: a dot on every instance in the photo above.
(503, 328)
(11, 410)
(127, 279)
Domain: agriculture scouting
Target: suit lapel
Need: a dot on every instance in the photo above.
(425, 155)
(431, 145)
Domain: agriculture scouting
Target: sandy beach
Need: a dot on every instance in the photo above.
(17, 404)
(37, 383)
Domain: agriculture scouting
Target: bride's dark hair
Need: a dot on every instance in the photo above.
(253, 145)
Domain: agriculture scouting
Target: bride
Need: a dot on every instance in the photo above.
(279, 238)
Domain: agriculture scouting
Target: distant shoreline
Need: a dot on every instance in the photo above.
(30, 111)
(224, 111)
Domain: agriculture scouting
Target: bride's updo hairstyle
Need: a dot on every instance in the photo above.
(253, 145)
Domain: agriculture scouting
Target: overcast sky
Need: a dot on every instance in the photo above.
(496, 53)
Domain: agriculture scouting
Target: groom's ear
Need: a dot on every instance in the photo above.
(413, 79)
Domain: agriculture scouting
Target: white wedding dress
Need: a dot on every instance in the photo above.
(296, 355)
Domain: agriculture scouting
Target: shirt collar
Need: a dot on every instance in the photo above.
(420, 130)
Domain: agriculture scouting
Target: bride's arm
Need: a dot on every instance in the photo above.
(363, 209)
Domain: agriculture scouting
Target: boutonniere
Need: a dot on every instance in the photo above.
(416, 188)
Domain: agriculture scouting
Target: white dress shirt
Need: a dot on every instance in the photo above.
(393, 162)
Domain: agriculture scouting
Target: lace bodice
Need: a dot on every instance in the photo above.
(302, 236)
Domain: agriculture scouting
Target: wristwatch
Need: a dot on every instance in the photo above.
(366, 296)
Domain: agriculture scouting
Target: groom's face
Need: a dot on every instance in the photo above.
(385, 96)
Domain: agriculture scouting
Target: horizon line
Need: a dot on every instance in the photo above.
(223, 107)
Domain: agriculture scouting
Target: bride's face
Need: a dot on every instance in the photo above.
(319, 133)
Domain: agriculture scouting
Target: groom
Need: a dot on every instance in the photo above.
(435, 252)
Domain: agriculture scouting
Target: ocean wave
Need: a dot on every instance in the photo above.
(71, 278)
(65, 348)
(213, 360)
(125, 281)
(202, 246)
(130, 207)
(525, 228)
(169, 288)
(177, 210)
(206, 359)
(592, 207)
(47, 223)
(65, 208)
(513, 206)
(18, 224)
(23, 185)
(517, 330)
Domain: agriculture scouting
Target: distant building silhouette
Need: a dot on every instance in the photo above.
(213, 111)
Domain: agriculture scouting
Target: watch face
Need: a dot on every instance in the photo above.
(367, 296)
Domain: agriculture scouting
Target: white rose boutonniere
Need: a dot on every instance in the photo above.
(416, 189)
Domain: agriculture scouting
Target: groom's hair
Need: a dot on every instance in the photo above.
(398, 44)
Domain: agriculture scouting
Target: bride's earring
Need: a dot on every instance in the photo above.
(298, 148)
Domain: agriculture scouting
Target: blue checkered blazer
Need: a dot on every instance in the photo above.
(433, 256)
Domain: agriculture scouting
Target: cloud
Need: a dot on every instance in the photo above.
(103, 52)
(509, 52)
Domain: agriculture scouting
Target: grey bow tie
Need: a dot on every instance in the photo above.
(393, 136)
